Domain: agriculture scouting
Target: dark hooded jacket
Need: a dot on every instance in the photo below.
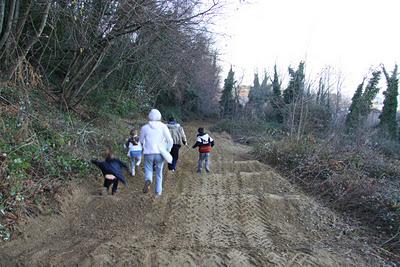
(112, 166)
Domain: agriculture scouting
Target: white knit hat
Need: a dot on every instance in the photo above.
(155, 115)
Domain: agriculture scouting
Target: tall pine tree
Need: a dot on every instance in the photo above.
(388, 121)
(254, 94)
(371, 90)
(361, 103)
(276, 98)
(265, 88)
(296, 84)
(276, 85)
(227, 101)
(352, 117)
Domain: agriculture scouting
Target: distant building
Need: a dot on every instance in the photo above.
(243, 94)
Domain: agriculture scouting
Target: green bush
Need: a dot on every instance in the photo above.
(285, 153)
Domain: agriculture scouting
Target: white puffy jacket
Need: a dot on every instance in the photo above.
(155, 134)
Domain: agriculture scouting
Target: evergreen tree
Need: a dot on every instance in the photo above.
(276, 98)
(296, 84)
(227, 101)
(276, 85)
(265, 88)
(361, 102)
(388, 116)
(371, 90)
(354, 110)
(254, 94)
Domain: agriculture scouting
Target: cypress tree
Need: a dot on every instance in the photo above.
(387, 118)
(276, 99)
(361, 102)
(371, 90)
(276, 85)
(296, 84)
(227, 100)
(265, 88)
(354, 111)
(254, 94)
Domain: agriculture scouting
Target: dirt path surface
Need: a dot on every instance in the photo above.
(242, 214)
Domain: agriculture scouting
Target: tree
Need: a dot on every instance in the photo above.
(227, 101)
(296, 84)
(370, 92)
(78, 46)
(265, 88)
(361, 103)
(254, 94)
(352, 118)
(276, 85)
(387, 118)
(276, 98)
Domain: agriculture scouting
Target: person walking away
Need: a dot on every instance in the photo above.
(205, 144)
(154, 137)
(111, 168)
(134, 150)
(179, 138)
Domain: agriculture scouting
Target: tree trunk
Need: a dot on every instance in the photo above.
(93, 87)
(16, 16)
(7, 30)
(67, 90)
(2, 9)
(32, 41)
(21, 24)
(94, 67)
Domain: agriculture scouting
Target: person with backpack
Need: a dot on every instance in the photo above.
(205, 144)
(156, 141)
(111, 168)
(179, 138)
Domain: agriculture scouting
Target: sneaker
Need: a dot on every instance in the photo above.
(146, 187)
(157, 195)
(198, 171)
(133, 173)
(104, 191)
(114, 192)
(207, 171)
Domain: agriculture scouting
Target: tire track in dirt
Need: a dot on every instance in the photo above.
(242, 214)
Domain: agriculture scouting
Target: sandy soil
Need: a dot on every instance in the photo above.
(241, 214)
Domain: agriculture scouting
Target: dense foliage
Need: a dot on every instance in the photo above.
(156, 49)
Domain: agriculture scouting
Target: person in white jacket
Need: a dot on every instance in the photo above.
(154, 137)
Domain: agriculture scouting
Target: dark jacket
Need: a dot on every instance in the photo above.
(112, 166)
(133, 139)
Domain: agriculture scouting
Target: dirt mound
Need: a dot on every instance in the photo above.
(241, 214)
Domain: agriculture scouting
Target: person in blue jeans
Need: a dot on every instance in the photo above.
(134, 150)
(154, 137)
(205, 143)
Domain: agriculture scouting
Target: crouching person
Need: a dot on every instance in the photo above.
(111, 168)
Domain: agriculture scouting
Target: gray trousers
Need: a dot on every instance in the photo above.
(203, 157)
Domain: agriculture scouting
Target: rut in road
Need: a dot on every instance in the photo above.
(241, 214)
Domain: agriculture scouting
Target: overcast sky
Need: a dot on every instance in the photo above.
(351, 36)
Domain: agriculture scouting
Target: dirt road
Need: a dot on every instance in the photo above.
(241, 214)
